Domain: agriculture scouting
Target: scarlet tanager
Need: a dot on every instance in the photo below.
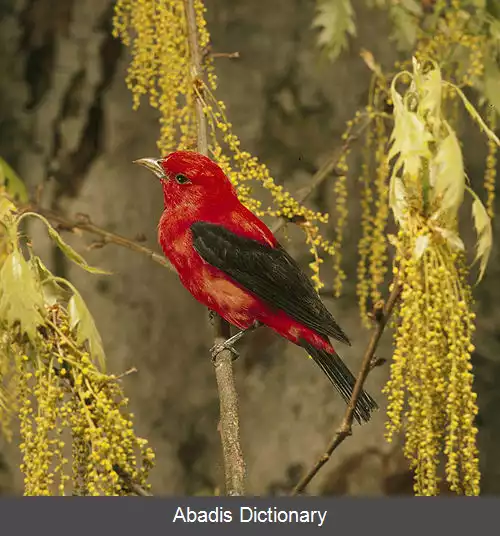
(231, 262)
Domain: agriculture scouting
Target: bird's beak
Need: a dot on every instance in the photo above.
(153, 164)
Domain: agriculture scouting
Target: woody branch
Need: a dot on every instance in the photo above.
(234, 463)
(381, 317)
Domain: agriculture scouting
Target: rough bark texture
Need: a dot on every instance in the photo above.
(66, 120)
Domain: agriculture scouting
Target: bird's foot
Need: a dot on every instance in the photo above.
(226, 345)
(229, 343)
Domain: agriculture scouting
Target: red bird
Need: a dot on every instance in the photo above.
(231, 262)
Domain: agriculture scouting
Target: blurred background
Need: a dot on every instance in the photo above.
(66, 121)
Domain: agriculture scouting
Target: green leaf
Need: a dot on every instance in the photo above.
(81, 320)
(405, 17)
(72, 254)
(21, 298)
(52, 292)
(474, 114)
(335, 21)
(6, 207)
(66, 248)
(447, 177)
(484, 232)
(13, 184)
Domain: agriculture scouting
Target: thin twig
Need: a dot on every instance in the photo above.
(345, 429)
(234, 463)
(107, 237)
(326, 169)
(129, 482)
(230, 55)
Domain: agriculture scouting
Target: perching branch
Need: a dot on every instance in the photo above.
(381, 318)
(234, 463)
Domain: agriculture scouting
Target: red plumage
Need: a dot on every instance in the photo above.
(230, 261)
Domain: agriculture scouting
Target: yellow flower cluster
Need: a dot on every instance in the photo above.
(431, 367)
(459, 43)
(456, 44)
(161, 68)
(372, 246)
(58, 390)
(364, 249)
(9, 403)
(491, 168)
(430, 390)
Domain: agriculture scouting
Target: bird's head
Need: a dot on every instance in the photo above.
(190, 179)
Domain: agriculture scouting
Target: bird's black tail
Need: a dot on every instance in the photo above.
(343, 380)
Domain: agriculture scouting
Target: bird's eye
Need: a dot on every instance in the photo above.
(181, 179)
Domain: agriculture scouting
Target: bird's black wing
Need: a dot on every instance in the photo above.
(270, 273)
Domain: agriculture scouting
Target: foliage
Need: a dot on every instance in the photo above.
(76, 436)
(335, 21)
(433, 342)
(421, 178)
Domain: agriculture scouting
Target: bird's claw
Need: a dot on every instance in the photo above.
(218, 348)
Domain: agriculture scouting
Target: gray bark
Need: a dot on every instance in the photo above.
(67, 122)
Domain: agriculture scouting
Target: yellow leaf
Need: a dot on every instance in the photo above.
(370, 62)
(421, 244)
(21, 299)
(52, 292)
(66, 248)
(82, 321)
(397, 199)
(447, 177)
(431, 90)
(484, 232)
(13, 184)
(409, 137)
(475, 115)
(451, 237)
(6, 207)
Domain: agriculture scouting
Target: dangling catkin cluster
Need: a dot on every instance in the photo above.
(160, 69)
(490, 174)
(461, 38)
(431, 367)
(372, 247)
(430, 390)
(457, 43)
(76, 434)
